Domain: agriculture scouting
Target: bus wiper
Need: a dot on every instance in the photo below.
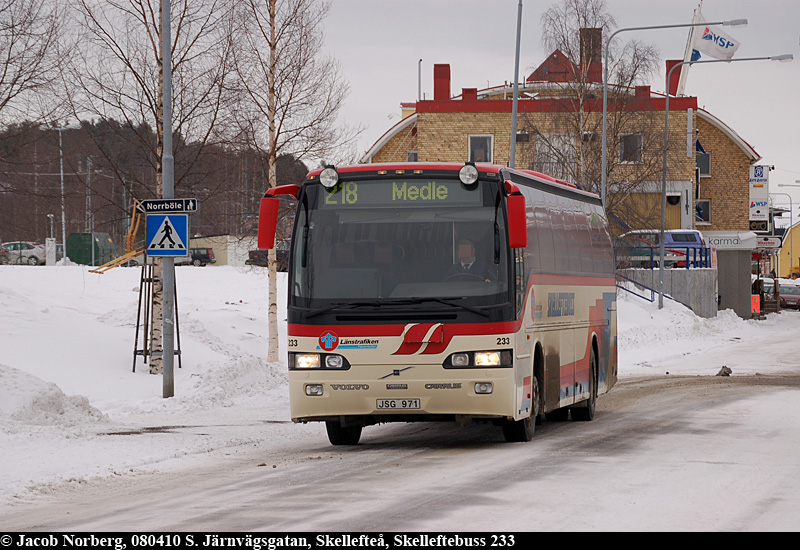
(446, 301)
(340, 305)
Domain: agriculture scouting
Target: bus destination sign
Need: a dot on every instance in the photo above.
(394, 193)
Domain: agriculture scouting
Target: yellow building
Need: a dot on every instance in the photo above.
(789, 253)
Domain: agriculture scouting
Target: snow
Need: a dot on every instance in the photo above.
(66, 380)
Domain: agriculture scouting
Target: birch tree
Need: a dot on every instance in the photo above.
(571, 140)
(30, 53)
(118, 75)
(290, 96)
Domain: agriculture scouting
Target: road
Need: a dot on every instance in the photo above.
(668, 453)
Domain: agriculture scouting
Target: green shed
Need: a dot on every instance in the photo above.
(79, 248)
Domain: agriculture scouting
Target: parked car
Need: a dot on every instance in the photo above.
(199, 257)
(790, 296)
(642, 248)
(24, 252)
(259, 257)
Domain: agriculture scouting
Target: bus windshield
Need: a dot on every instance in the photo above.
(380, 242)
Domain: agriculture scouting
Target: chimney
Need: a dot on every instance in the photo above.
(642, 92)
(441, 82)
(676, 76)
(591, 54)
(469, 94)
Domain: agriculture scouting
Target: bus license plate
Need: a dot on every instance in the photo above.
(398, 403)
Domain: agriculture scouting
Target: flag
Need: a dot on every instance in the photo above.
(713, 42)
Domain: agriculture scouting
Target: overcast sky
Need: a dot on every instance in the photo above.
(379, 44)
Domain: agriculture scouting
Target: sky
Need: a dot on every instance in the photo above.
(379, 44)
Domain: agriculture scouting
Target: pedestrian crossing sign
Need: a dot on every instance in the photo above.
(167, 234)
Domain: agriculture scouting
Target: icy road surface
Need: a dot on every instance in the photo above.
(672, 453)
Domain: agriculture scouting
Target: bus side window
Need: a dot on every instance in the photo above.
(520, 278)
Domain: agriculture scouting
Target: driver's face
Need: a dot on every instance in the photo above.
(466, 252)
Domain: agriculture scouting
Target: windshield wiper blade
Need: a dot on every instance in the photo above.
(340, 305)
(446, 301)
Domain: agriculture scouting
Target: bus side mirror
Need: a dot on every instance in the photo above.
(268, 222)
(268, 214)
(517, 221)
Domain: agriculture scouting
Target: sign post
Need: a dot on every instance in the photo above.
(167, 192)
(759, 199)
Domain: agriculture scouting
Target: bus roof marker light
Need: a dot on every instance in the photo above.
(468, 174)
(329, 176)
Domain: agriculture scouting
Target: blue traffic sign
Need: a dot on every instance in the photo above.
(167, 234)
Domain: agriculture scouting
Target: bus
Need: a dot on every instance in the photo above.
(386, 325)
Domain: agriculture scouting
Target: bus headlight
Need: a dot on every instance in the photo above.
(306, 361)
(479, 359)
(468, 174)
(303, 361)
(480, 387)
(329, 177)
(487, 358)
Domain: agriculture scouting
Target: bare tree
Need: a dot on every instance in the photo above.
(29, 56)
(568, 142)
(290, 95)
(118, 75)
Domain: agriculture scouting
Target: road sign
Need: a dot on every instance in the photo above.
(167, 235)
(169, 205)
(769, 242)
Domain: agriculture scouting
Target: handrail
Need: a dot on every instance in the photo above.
(649, 256)
(653, 292)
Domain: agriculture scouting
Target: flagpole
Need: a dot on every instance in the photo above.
(687, 55)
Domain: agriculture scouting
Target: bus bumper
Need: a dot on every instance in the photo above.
(399, 396)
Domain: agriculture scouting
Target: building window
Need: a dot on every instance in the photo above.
(480, 148)
(702, 209)
(630, 148)
(411, 156)
(523, 137)
(704, 163)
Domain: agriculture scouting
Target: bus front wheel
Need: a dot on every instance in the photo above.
(522, 430)
(342, 435)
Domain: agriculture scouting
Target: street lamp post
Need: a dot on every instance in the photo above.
(512, 157)
(60, 129)
(63, 199)
(731, 23)
(791, 243)
(783, 57)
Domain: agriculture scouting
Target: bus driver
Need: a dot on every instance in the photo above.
(468, 267)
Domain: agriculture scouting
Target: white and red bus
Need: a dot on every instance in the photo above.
(384, 324)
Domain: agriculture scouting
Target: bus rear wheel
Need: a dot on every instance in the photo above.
(586, 412)
(342, 435)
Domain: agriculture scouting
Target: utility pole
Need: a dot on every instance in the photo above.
(168, 192)
(512, 159)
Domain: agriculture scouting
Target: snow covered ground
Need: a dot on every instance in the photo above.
(66, 380)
